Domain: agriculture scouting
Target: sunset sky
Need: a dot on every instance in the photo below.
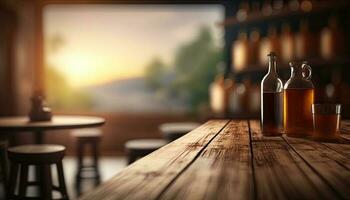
(104, 43)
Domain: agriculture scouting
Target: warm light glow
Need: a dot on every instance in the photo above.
(85, 69)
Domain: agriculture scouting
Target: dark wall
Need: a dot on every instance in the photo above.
(7, 38)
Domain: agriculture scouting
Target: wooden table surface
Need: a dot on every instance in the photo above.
(58, 122)
(225, 159)
(22, 123)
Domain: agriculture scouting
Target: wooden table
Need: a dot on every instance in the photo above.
(225, 159)
(58, 122)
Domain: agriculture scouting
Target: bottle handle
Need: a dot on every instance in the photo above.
(306, 66)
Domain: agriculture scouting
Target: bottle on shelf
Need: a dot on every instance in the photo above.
(298, 99)
(287, 43)
(306, 42)
(293, 5)
(245, 103)
(243, 11)
(218, 92)
(255, 7)
(306, 5)
(332, 40)
(254, 42)
(236, 98)
(271, 100)
(267, 8)
(240, 52)
(254, 99)
(277, 5)
(271, 43)
(231, 86)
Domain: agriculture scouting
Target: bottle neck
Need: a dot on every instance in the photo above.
(296, 73)
(272, 66)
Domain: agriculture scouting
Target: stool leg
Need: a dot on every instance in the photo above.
(4, 168)
(132, 157)
(80, 150)
(39, 137)
(80, 155)
(45, 182)
(37, 172)
(4, 164)
(61, 181)
(23, 181)
(11, 193)
(96, 166)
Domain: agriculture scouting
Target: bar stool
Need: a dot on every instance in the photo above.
(86, 137)
(142, 147)
(42, 157)
(173, 131)
(4, 166)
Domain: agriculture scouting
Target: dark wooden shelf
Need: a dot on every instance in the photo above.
(314, 62)
(284, 13)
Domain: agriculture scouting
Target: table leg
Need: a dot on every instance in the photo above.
(38, 137)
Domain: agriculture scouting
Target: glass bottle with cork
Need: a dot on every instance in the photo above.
(272, 100)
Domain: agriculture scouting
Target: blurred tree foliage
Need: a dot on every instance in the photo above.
(60, 95)
(154, 72)
(193, 70)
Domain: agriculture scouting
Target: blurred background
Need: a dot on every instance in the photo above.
(140, 64)
(137, 65)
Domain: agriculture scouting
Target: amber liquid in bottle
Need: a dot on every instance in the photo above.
(272, 118)
(297, 112)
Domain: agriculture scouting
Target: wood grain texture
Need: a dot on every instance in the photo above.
(328, 163)
(225, 159)
(222, 171)
(280, 173)
(345, 136)
(147, 177)
(343, 148)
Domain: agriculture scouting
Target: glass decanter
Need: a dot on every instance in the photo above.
(298, 100)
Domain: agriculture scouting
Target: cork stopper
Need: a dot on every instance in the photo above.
(272, 54)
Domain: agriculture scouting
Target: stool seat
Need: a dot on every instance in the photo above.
(83, 133)
(37, 154)
(41, 157)
(175, 130)
(141, 147)
(145, 144)
(87, 137)
(87, 134)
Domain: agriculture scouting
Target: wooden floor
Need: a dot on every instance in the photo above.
(226, 159)
(109, 167)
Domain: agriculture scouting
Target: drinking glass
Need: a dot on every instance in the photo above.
(326, 121)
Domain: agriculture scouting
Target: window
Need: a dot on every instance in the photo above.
(127, 58)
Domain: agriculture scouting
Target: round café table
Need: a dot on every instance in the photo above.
(58, 122)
